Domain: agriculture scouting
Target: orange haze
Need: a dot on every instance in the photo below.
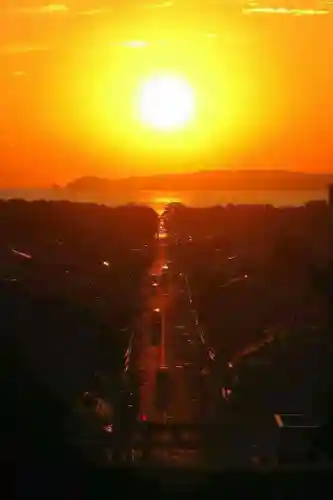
(69, 76)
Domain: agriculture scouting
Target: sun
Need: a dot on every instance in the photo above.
(166, 102)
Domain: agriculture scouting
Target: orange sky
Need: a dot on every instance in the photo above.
(67, 78)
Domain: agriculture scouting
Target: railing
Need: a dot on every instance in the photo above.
(127, 355)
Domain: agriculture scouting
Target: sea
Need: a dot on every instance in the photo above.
(159, 199)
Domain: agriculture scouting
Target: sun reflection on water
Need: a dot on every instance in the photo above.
(159, 202)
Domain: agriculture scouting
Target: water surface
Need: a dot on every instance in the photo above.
(159, 199)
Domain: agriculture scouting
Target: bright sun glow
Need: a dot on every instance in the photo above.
(166, 103)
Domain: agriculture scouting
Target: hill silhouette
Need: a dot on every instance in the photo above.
(206, 180)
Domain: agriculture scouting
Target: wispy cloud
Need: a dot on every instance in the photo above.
(159, 5)
(286, 11)
(93, 12)
(19, 74)
(135, 44)
(22, 49)
(52, 8)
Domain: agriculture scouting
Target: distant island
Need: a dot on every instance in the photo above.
(218, 180)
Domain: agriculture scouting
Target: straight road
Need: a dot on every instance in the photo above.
(171, 366)
(170, 361)
(175, 352)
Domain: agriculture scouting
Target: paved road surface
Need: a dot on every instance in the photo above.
(167, 341)
(179, 353)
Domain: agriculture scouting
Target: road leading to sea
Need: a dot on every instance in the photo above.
(170, 362)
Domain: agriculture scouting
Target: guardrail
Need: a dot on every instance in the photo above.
(127, 355)
(199, 328)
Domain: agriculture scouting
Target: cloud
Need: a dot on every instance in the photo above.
(283, 11)
(22, 49)
(93, 12)
(135, 44)
(162, 5)
(52, 8)
(19, 74)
